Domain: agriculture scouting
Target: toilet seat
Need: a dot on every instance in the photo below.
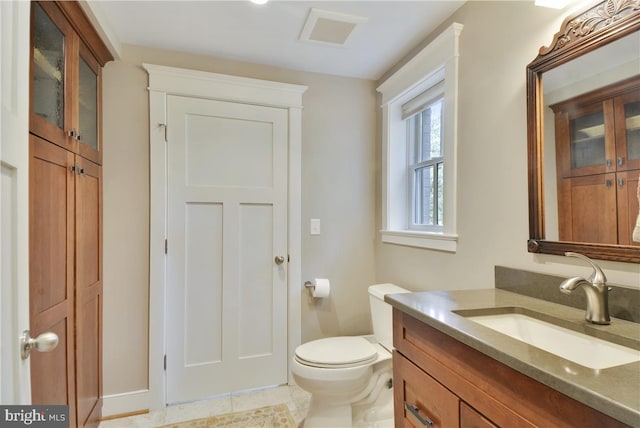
(337, 352)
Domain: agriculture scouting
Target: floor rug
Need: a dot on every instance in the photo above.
(277, 416)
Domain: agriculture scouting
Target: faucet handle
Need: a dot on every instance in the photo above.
(598, 276)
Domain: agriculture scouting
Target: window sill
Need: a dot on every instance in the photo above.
(412, 238)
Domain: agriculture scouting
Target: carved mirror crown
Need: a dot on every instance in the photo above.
(580, 34)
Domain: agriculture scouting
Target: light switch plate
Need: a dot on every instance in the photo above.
(314, 226)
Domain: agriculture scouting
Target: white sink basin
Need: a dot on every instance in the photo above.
(580, 348)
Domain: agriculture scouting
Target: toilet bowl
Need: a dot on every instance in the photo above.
(349, 377)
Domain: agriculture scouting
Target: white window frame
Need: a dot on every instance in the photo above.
(437, 62)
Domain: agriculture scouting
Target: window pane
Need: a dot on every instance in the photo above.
(424, 196)
(426, 166)
(440, 187)
(431, 132)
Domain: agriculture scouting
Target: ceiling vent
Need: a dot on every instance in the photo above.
(324, 26)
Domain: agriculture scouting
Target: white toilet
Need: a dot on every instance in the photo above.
(349, 377)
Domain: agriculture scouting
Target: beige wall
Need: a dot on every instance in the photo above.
(341, 184)
(338, 187)
(498, 40)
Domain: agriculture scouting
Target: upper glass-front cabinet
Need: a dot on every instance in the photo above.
(88, 105)
(65, 84)
(51, 44)
(599, 132)
(627, 108)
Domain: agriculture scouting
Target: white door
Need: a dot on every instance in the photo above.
(14, 194)
(227, 247)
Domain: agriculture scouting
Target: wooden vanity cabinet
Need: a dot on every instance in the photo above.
(454, 385)
(65, 214)
(597, 138)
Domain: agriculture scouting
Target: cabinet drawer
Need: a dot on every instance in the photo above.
(420, 401)
(470, 418)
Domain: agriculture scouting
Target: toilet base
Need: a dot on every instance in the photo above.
(367, 413)
(376, 415)
(323, 415)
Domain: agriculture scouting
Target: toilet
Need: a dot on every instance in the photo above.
(349, 377)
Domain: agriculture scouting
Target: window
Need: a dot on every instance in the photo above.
(426, 162)
(419, 147)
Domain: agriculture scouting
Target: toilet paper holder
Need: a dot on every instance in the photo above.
(319, 288)
(310, 286)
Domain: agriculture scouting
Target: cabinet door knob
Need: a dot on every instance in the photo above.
(620, 182)
(608, 183)
(608, 162)
(620, 161)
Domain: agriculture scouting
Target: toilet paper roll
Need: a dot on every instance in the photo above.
(322, 288)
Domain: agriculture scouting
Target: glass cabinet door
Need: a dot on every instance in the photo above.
(628, 131)
(88, 106)
(50, 84)
(589, 140)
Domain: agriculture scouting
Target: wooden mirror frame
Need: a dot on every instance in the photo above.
(579, 34)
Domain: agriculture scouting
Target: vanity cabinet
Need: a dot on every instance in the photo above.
(441, 382)
(598, 163)
(65, 212)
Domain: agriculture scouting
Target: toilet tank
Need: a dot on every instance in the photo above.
(381, 313)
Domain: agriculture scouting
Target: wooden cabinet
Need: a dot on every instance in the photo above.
(598, 162)
(66, 78)
(51, 271)
(452, 385)
(65, 215)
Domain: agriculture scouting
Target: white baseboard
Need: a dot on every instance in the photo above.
(118, 404)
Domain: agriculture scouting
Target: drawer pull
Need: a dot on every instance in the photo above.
(413, 409)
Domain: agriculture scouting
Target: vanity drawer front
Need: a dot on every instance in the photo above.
(420, 401)
(470, 418)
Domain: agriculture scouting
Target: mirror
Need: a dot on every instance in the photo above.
(582, 185)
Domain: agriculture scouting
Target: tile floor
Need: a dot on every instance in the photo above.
(295, 398)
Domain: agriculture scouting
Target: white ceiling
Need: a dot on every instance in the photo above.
(268, 34)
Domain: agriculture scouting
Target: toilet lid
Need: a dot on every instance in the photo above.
(337, 351)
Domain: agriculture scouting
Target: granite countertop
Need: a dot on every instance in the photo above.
(614, 391)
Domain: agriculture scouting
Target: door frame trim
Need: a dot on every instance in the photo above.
(164, 81)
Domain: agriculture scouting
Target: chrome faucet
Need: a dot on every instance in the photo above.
(595, 288)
